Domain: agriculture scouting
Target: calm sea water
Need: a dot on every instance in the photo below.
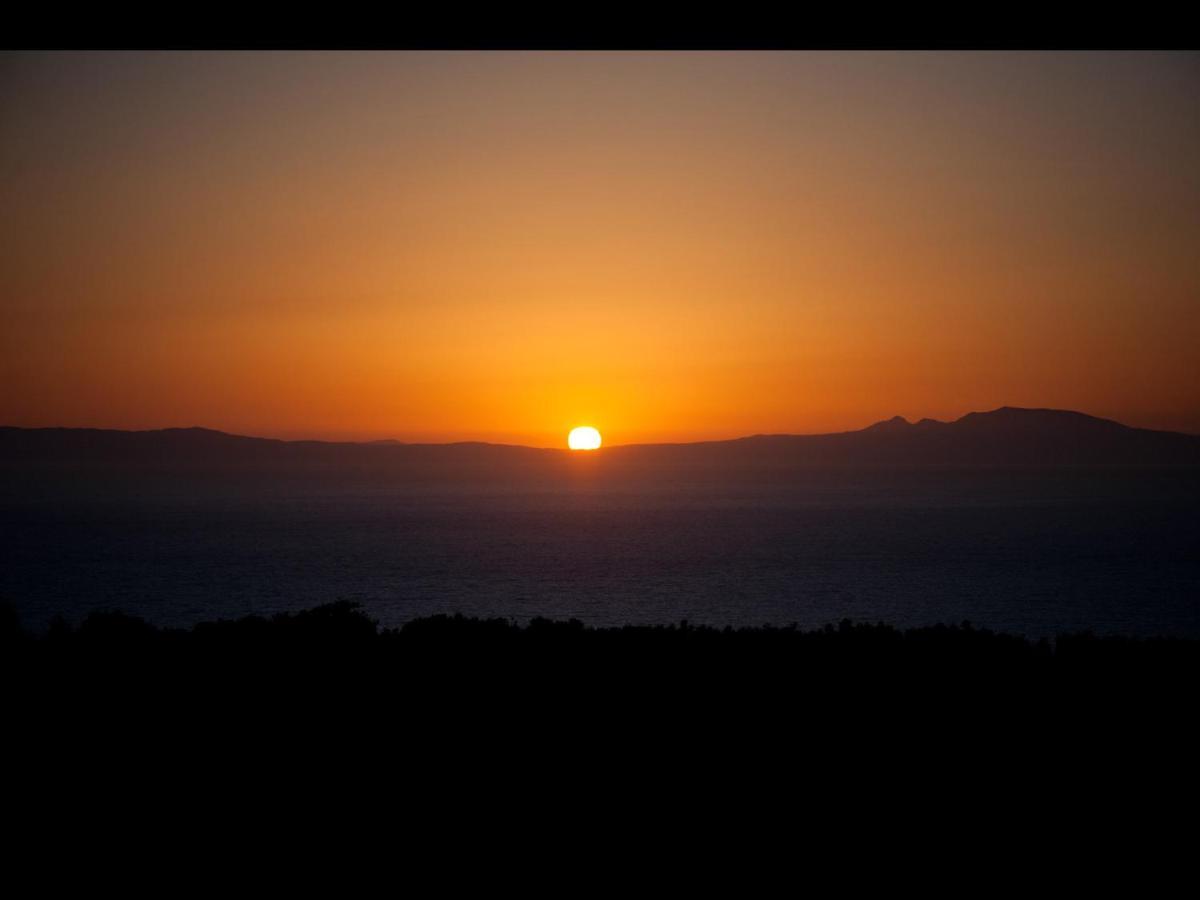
(1028, 552)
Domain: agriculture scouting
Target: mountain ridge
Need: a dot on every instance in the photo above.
(1006, 435)
(896, 421)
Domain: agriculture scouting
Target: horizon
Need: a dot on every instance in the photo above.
(561, 446)
(675, 247)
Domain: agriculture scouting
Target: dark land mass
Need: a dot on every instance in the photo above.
(1002, 437)
(477, 674)
(241, 726)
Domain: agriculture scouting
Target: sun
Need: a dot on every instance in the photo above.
(584, 438)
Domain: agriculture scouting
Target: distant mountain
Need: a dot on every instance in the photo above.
(1005, 436)
(203, 449)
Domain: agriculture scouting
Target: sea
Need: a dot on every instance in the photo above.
(1026, 551)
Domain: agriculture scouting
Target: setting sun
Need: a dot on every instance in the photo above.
(584, 438)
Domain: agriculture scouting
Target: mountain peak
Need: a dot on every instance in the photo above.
(1018, 416)
(895, 423)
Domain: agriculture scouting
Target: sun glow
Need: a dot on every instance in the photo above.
(584, 438)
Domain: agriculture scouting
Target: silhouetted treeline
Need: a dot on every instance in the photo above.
(460, 707)
(339, 645)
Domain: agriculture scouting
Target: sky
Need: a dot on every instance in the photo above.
(668, 246)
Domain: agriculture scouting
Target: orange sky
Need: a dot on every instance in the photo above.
(669, 246)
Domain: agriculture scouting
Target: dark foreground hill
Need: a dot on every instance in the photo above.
(334, 657)
(449, 718)
(313, 730)
(1006, 436)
